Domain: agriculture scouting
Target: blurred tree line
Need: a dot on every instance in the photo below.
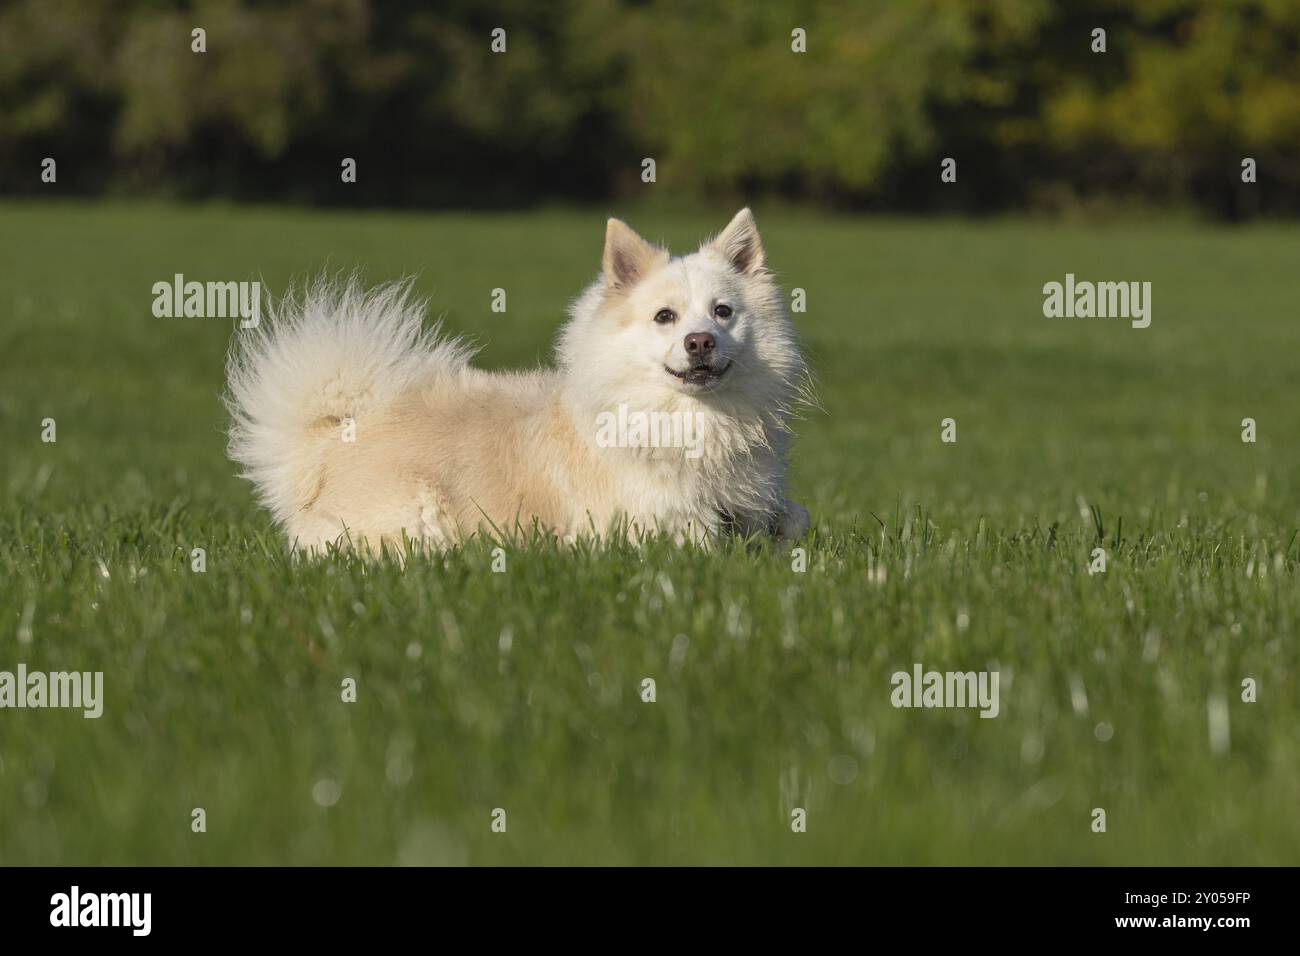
(586, 88)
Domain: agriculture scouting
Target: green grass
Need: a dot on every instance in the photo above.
(521, 690)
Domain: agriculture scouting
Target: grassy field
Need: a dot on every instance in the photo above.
(521, 690)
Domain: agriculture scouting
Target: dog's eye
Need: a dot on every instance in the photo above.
(722, 311)
(664, 316)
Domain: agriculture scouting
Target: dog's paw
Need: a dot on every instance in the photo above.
(793, 522)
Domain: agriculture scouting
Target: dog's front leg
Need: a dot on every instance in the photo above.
(791, 522)
(787, 523)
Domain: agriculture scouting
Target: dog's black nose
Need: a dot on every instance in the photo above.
(700, 344)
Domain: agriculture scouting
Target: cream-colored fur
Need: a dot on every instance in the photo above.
(358, 426)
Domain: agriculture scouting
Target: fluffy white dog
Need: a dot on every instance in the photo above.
(668, 411)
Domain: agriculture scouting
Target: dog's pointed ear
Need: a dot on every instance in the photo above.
(628, 258)
(740, 244)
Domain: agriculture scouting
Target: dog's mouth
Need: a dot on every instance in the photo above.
(699, 374)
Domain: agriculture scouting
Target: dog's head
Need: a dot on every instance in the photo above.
(711, 325)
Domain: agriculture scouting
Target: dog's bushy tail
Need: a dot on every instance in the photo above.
(329, 354)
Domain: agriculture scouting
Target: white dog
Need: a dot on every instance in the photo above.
(668, 411)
